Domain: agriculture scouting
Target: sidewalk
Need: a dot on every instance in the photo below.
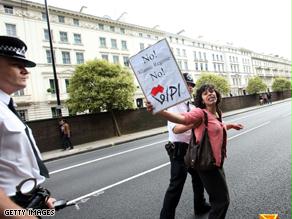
(56, 154)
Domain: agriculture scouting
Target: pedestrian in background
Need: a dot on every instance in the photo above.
(269, 96)
(176, 149)
(65, 135)
(20, 158)
(207, 100)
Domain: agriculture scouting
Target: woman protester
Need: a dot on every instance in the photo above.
(207, 100)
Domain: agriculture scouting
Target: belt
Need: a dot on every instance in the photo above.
(180, 149)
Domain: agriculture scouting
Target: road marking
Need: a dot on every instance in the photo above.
(109, 156)
(100, 191)
(242, 133)
(251, 114)
(134, 149)
(118, 183)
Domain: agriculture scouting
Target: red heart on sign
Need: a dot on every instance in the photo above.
(156, 90)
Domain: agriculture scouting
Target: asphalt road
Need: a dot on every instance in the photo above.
(129, 180)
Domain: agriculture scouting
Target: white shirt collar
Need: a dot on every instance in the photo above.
(4, 97)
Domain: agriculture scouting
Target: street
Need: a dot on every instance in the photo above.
(129, 180)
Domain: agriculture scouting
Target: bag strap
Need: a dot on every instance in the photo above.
(205, 122)
(205, 118)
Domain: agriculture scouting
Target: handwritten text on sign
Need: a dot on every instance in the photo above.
(159, 76)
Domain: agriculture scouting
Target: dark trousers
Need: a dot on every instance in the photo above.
(178, 175)
(66, 142)
(216, 187)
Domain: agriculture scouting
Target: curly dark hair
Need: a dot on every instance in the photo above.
(199, 100)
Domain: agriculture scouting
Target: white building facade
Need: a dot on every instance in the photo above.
(79, 37)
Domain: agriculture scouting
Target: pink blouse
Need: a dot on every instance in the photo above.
(215, 130)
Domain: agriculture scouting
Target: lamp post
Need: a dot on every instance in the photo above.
(124, 13)
(58, 108)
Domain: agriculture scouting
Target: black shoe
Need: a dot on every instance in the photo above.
(71, 148)
(202, 209)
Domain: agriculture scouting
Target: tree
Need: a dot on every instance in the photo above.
(99, 85)
(218, 81)
(255, 85)
(281, 84)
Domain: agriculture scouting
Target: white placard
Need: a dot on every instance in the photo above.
(159, 76)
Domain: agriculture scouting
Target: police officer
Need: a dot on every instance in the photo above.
(20, 158)
(176, 149)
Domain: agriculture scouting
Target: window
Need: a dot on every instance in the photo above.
(184, 53)
(201, 66)
(221, 58)
(112, 28)
(116, 59)
(186, 65)
(102, 42)
(8, 9)
(79, 58)
(140, 34)
(77, 38)
(182, 41)
(63, 37)
(205, 58)
(11, 29)
(66, 57)
(178, 51)
(214, 64)
(75, 22)
(206, 67)
(19, 93)
(54, 112)
(213, 56)
(124, 45)
(100, 26)
(61, 19)
(139, 102)
(197, 67)
(195, 55)
(200, 55)
(22, 114)
(67, 84)
(44, 16)
(49, 56)
(52, 86)
(46, 35)
(126, 60)
(122, 30)
(142, 46)
(114, 43)
(104, 57)
(148, 35)
(217, 57)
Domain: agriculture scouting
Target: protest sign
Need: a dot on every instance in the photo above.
(159, 76)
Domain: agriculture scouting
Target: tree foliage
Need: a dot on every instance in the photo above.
(98, 85)
(281, 84)
(256, 85)
(220, 83)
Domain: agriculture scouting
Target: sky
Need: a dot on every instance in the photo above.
(262, 26)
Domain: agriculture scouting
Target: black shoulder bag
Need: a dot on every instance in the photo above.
(200, 156)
